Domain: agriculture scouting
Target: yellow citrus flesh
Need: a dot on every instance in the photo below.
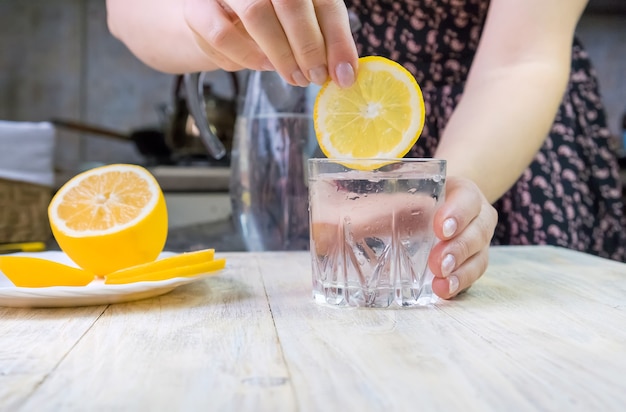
(109, 218)
(170, 262)
(31, 272)
(177, 272)
(380, 116)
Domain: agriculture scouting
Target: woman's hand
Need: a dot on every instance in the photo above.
(303, 40)
(464, 225)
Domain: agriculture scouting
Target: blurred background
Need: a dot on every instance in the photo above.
(58, 61)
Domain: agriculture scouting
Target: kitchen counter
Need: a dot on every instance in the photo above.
(221, 235)
(542, 330)
(192, 178)
(176, 178)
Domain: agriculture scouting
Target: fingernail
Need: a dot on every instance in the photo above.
(299, 78)
(318, 75)
(447, 265)
(453, 284)
(449, 227)
(345, 75)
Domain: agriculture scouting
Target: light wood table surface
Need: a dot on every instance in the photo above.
(544, 329)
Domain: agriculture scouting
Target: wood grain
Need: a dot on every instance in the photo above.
(33, 342)
(515, 339)
(542, 330)
(210, 346)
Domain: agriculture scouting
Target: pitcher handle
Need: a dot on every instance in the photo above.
(195, 101)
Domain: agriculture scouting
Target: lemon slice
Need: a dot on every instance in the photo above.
(380, 116)
(181, 271)
(31, 272)
(167, 263)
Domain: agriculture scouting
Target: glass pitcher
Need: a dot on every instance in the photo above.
(273, 139)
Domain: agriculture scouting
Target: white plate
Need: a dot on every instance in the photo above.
(95, 293)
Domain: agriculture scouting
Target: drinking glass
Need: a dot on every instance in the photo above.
(273, 139)
(371, 230)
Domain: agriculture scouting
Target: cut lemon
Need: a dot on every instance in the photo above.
(177, 272)
(167, 263)
(31, 272)
(380, 116)
(109, 218)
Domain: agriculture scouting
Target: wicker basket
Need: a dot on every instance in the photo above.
(24, 212)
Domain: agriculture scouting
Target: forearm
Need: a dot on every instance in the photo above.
(156, 32)
(501, 122)
(513, 91)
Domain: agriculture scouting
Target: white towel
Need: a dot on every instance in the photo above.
(27, 152)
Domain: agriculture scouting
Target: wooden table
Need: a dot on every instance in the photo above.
(544, 329)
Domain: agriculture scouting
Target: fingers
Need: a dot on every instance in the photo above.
(462, 204)
(303, 40)
(341, 51)
(263, 25)
(294, 35)
(463, 277)
(222, 38)
(304, 51)
(464, 224)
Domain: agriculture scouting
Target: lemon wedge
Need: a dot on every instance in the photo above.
(167, 263)
(32, 272)
(181, 271)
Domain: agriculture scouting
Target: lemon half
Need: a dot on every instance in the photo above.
(109, 218)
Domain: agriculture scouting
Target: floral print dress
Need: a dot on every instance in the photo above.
(570, 195)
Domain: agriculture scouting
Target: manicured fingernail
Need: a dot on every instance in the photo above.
(449, 227)
(299, 78)
(453, 284)
(318, 75)
(345, 74)
(447, 265)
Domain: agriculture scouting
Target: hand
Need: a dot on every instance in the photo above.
(303, 40)
(464, 223)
